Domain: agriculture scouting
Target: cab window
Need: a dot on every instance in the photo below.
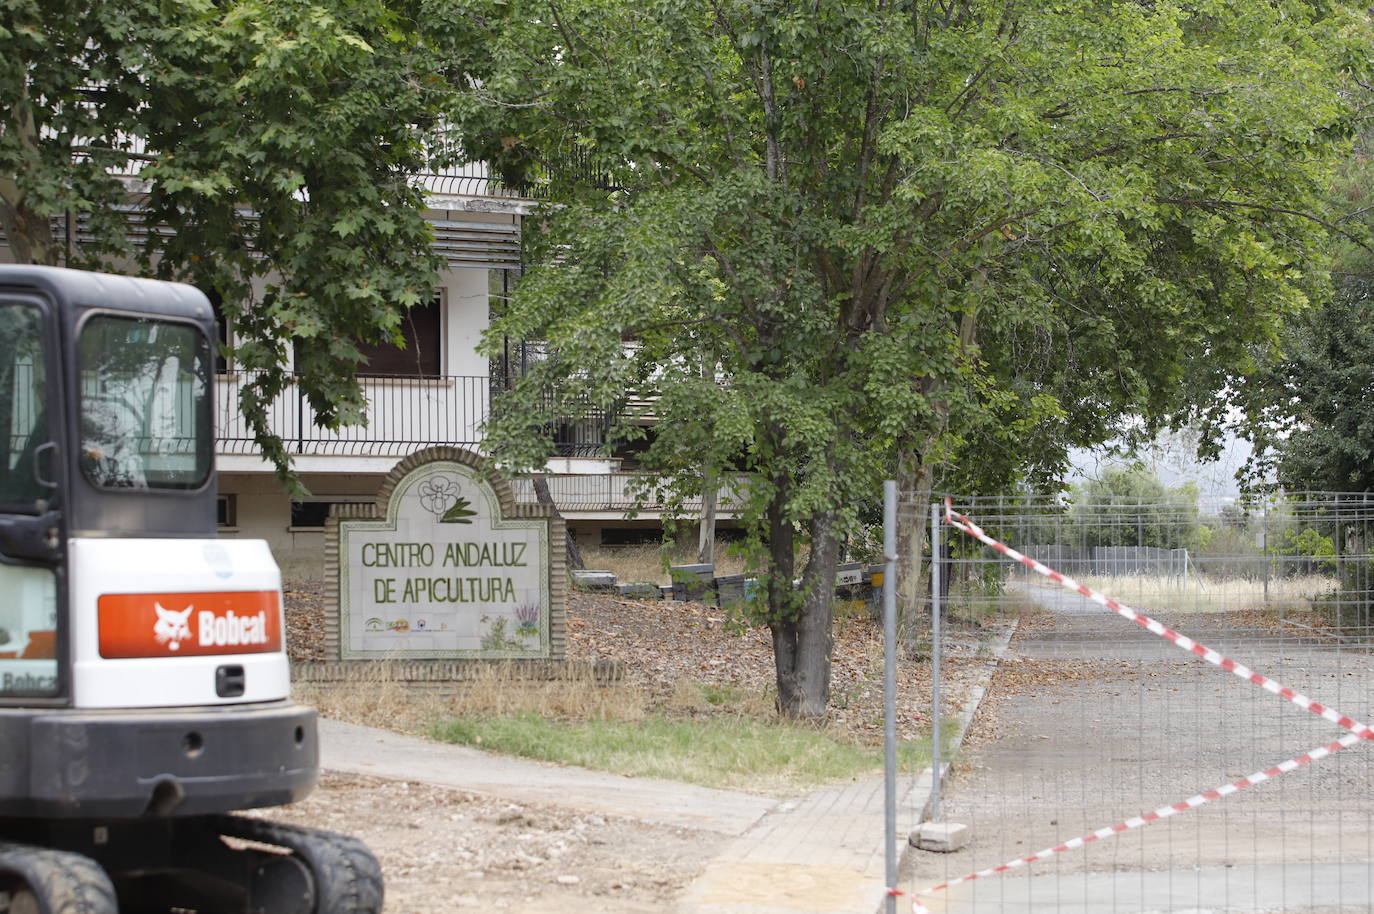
(145, 404)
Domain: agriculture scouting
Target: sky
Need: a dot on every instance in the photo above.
(1173, 460)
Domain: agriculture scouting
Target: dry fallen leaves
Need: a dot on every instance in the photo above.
(670, 649)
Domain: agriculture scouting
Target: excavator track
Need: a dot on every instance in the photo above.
(36, 880)
(347, 878)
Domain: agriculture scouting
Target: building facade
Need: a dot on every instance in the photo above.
(436, 390)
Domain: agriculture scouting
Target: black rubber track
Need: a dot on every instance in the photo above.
(63, 883)
(348, 879)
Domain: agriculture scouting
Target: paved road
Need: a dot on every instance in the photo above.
(1294, 888)
(1095, 720)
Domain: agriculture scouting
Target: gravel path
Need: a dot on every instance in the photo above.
(446, 850)
(1091, 720)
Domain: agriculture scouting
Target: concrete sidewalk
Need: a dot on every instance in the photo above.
(819, 854)
(824, 853)
(364, 750)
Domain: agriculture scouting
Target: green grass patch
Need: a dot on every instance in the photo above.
(720, 695)
(721, 751)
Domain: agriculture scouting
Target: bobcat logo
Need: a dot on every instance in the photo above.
(171, 627)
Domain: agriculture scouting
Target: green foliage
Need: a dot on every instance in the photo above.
(1129, 506)
(978, 594)
(275, 140)
(998, 234)
(1309, 543)
(1312, 410)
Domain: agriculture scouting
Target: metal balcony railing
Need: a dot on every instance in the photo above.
(614, 492)
(403, 415)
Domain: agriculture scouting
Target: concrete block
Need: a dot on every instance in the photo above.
(941, 837)
(641, 591)
(594, 581)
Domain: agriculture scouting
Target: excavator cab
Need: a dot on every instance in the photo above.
(144, 683)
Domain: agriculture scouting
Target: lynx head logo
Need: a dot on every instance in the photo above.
(172, 627)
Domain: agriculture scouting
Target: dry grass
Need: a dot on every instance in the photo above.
(369, 697)
(976, 610)
(501, 688)
(372, 699)
(1204, 593)
(694, 685)
(715, 733)
(645, 564)
(692, 697)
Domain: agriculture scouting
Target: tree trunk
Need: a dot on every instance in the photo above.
(803, 667)
(29, 234)
(544, 497)
(710, 488)
(782, 612)
(914, 483)
(706, 533)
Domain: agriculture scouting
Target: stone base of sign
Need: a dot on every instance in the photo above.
(440, 675)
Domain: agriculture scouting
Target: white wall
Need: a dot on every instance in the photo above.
(264, 512)
(466, 316)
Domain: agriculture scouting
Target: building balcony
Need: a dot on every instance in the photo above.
(404, 414)
(609, 496)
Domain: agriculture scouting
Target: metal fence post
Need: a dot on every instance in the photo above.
(936, 761)
(890, 689)
(300, 418)
(1264, 553)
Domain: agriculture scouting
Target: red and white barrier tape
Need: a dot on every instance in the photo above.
(1358, 731)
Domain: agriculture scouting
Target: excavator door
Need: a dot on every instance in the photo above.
(31, 525)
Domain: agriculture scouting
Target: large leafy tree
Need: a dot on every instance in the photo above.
(945, 240)
(267, 149)
(1314, 411)
(1310, 407)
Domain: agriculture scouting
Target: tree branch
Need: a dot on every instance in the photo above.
(1237, 204)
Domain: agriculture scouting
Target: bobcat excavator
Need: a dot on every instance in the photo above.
(143, 675)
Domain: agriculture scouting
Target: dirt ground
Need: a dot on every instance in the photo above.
(446, 850)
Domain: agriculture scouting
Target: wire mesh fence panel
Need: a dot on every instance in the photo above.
(1090, 720)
